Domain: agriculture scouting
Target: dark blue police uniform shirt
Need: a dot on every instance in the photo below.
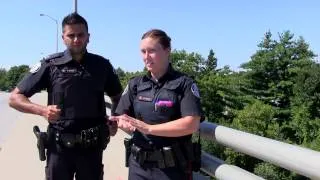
(77, 88)
(174, 96)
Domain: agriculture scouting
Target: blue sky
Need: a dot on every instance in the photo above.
(231, 28)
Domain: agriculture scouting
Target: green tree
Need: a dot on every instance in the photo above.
(189, 63)
(257, 118)
(305, 122)
(271, 172)
(3, 85)
(15, 74)
(211, 62)
(281, 83)
(270, 76)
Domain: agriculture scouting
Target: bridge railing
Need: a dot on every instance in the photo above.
(301, 160)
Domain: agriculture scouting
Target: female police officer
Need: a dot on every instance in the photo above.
(163, 109)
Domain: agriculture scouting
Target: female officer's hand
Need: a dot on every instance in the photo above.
(122, 123)
(139, 125)
(133, 123)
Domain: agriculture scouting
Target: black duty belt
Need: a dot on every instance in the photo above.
(160, 158)
(88, 138)
(180, 154)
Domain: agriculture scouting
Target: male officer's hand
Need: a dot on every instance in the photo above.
(113, 127)
(51, 113)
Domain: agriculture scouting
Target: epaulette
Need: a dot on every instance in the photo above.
(59, 58)
(136, 79)
(52, 56)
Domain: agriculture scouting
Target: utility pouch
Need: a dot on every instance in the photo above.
(138, 154)
(180, 157)
(159, 157)
(168, 156)
(69, 140)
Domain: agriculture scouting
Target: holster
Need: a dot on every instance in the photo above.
(127, 145)
(42, 142)
(196, 163)
(104, 136)
(181, 158)
(188, 153)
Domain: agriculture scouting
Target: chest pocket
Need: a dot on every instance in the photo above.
(167, 102)
(78, 91)
(157, 106)
(63, 76)
(143, 101)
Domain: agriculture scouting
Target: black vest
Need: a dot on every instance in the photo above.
(78, 90)
(158, 103)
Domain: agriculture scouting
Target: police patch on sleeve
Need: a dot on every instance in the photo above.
(195, 90)
(35, 68)
(125, 91)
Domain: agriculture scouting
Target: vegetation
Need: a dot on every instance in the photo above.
(9, 79)
(276, 95)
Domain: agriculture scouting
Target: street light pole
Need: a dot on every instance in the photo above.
(56, 21)
(75, 2)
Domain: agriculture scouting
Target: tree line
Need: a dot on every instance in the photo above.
(10, 78)
(276, 94)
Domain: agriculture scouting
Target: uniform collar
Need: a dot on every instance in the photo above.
(68, 57)
(170, 73)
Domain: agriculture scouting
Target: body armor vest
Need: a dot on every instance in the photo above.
(78, 90)
(155, 104)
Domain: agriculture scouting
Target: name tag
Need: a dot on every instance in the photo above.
(143, 98)
(69, 71)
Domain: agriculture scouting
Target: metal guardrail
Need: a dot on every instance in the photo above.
(291, 157)
(215, 167)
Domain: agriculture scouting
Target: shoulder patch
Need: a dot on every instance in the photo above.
(35, 68)
(125, 91)
(58, 58)
(53, 56)
(195, 90)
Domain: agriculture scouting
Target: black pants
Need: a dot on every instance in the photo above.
(83, 165)
(137, 172)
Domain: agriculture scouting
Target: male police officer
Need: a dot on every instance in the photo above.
(75, 81)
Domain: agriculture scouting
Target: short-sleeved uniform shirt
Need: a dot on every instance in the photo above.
(171, 97)
(77, 88)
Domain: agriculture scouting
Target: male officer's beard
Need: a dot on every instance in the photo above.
(77, 51)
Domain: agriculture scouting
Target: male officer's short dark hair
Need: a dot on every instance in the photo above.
(74, 18)
(160, 35)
